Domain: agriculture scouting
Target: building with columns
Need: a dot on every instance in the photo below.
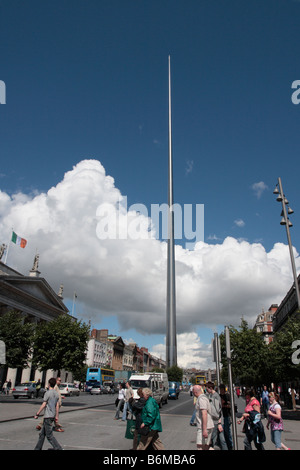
(34, 298)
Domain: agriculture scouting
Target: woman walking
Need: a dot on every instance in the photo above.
(151, 423)
(253, 427)
(275, 421)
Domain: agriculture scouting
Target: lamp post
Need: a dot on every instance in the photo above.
(286, 221)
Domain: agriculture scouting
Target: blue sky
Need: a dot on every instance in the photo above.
(88, 80)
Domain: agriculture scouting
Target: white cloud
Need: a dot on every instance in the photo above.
(216, 283)
(259, 188)
(191, 352)
(189, 166)
(239, 223)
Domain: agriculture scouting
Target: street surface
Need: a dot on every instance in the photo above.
(89, 424)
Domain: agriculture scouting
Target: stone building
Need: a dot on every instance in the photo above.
(264, 323)
(34, 298)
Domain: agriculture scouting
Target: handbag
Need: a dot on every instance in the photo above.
(130, 428)
(144, 431)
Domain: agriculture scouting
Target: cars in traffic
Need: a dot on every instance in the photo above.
(27, 390)
(110, 387)
(68, 389)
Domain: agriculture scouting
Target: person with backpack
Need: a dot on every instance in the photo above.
(214, 398)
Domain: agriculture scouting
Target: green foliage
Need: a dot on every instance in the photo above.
(281, 352)
(248, 357)
(18, 337)
(175, 374)
(61, 344)
(254, 362)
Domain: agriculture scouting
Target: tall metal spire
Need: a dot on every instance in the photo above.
(171, 342)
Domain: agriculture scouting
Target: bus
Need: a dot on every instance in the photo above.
(98, 375)
(200, 379)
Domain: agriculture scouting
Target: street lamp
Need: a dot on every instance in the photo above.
(286, 221)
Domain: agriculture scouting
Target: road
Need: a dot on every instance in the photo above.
(89, 425)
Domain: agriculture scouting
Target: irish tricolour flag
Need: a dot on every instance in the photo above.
(18, 240)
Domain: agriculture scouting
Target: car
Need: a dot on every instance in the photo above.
(109, 386)
(68, 389)
(174, 390)
(27, 390)
(98, 389)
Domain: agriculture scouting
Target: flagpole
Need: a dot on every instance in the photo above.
(171, 343)
(7, 249)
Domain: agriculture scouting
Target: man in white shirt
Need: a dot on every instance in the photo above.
(205, 424)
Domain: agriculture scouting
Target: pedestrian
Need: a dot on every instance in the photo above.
(226, 412)
(275, 421)
(51, 406)
(253, 427)
(238, 392)
(151, 423)
(192, 420)
(8, 387)
(128, 399)
(38, 388)
(205, 424)
(264, 401)
(137, 407)
(58, 427)
(120, 400)
(218, 437)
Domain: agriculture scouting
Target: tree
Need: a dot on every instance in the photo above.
(175, 374)
(284, 368)
(17, 336)
(249, 356)
(61, 344)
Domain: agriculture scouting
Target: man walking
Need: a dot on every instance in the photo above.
(216, 414)
(51, 406)
(205, 424)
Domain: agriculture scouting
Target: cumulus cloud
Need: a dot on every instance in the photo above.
(216, 283)
(191, 352)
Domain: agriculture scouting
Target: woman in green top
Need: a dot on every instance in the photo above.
(151, 423)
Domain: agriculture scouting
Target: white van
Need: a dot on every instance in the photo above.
(165, 382)
(154, 381)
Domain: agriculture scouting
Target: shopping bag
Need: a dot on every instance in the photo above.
(130, 428)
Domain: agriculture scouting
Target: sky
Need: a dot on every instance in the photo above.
(84, 158)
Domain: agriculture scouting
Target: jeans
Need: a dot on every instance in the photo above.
(218, 438)
(47, 431)
(227, 432)
(119, 408)
(193, 417)
(276, 437)
(126, 407)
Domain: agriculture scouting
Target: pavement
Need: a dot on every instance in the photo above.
(95, 429)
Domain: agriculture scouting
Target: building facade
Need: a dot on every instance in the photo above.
(36, 301)
(287, 309)
(264, 323)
